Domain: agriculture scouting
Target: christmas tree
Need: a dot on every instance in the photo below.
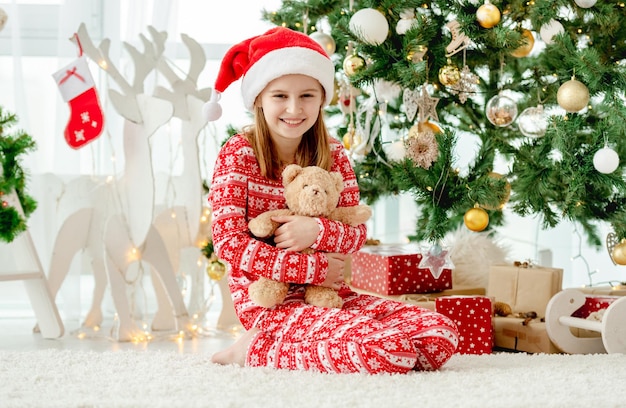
(540, 85)
(13, 178)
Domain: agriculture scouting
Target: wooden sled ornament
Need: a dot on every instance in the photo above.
(559, 321)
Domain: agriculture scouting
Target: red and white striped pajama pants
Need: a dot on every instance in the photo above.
(368, 335)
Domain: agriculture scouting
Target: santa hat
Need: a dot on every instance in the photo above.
(261, 59)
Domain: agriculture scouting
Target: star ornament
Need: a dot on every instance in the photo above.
(436, 260)
(427, 106)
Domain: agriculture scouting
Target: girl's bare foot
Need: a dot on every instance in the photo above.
(236, 354)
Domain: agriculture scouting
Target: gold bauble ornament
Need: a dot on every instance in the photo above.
(423, 127)
(348, 138)
(572, 96)
(216, 270)
(476, 219)
(619, 253)
(488, 15)
(428, 126)
(353, 64)
(449, 74)
(335, 98)
(527, 47)
(416, 54)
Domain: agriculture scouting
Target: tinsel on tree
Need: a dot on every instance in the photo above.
(540, 85)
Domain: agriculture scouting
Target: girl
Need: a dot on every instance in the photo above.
(287, 79)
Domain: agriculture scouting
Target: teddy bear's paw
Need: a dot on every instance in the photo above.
(323, 297)
(268, 293)
(363, 212)
(260, 229)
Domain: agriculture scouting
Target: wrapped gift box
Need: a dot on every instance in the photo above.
(511, 334)
(473, 317)
(394, 270)
(427, 300)
(525, 289)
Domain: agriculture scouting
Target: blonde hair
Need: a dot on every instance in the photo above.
(314, 148)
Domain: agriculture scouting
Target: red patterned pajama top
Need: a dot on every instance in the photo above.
(295, 335)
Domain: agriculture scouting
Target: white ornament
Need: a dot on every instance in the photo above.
(326, 41)
(606, 160)
(585, 3)
(549, 30)
(386, 91)
(532, 122)
(370, 25)
(406, 22)
(395, 151)
(410, 99)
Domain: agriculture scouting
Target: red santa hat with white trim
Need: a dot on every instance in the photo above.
(261, 59)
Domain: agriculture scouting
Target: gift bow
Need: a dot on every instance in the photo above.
(69, 73)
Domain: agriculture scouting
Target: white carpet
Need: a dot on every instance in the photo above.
(59, 378)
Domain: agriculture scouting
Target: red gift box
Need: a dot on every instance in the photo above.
(394, 270)
(594, 304)
(473, 317)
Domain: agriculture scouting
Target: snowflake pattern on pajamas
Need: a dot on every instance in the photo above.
(368, 335)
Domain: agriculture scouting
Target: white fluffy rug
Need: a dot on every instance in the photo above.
(59, 378)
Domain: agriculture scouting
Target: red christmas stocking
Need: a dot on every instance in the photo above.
(78, 89)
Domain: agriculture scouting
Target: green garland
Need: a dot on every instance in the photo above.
(13, 178)
(208, 250)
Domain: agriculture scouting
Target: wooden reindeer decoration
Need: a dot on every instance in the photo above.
(125, 222)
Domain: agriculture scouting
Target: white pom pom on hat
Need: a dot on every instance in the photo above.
(212, 110)
(261, 59)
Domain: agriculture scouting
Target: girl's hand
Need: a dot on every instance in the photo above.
(336, 265)
(296, 232)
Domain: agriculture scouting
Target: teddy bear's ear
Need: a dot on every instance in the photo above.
(291, 172)
(338, 180)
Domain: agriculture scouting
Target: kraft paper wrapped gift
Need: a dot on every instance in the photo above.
(473, 317)
(427, 300)
(426, 304)
(394, 270)
(457, 290)
(510, 333)
(525, 289)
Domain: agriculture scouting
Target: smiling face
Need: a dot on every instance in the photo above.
(291, 105)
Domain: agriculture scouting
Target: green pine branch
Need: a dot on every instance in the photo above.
(13, 177)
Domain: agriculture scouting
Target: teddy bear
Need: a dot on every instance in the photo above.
(314, 192)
